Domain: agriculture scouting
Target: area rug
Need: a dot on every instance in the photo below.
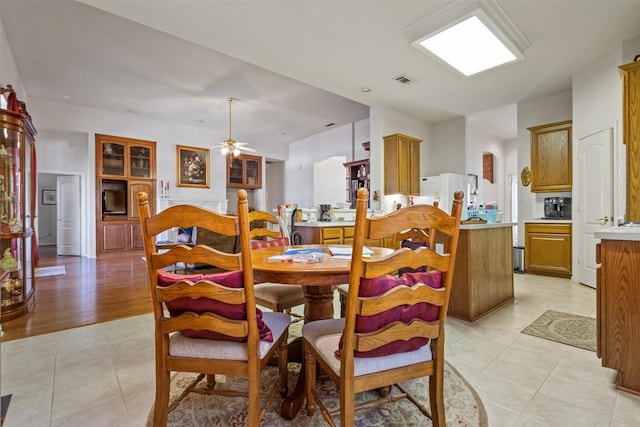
(463, 406)
(565, 328)
(56, 270)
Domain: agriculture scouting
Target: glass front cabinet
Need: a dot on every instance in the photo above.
(17, 212)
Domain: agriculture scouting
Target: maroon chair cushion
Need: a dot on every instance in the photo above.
(405, 313)
(259, 244)
(230, 279)
(413, 246)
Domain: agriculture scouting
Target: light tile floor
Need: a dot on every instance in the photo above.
(103, 374)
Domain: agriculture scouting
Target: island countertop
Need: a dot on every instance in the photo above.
(618, 233)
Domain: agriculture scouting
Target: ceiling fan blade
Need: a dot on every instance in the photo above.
(247, 149)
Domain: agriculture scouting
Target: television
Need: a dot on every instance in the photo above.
(114, 202)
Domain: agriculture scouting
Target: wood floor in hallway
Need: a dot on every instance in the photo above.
(91, 291)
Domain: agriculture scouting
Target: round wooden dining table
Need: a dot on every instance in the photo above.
(318, 281)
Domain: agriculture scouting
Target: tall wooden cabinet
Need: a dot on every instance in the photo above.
(551, 157)
(17, 213)
(617, 310)
(124, 167)
(631, 135)
(402, 165)
(357, 177)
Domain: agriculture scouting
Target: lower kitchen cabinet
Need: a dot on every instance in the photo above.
(547, 249)
(618, 310)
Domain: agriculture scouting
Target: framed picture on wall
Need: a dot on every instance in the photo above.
(49, 197)
(193, 166)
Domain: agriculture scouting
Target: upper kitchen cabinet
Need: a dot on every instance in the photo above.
(631, 130)
(244, 171)
(551, 157)
(402, 165)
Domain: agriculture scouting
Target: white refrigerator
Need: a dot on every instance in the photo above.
(441, 188)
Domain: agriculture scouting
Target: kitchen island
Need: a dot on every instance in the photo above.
(618, 304)
(483, 275)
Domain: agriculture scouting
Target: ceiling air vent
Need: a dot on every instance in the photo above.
(403, 79)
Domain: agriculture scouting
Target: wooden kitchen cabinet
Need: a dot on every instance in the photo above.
(631, 135)
(124, 167)
(483, 274)
(402, 165)
(618, 310)
(244, 171)
(547, 249)
(357, 177)
(551, 157)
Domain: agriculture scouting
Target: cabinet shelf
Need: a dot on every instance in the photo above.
(244, 171)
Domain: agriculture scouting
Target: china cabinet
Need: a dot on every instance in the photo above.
(124, 167)
(357, 177)
(402, 165)
(551, 157)
(631, 135)
(548, 249)
(244, 171)
(17, 208)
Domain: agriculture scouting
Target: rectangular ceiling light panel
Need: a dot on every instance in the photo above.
(469, 39)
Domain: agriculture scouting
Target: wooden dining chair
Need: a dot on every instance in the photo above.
(274, 296)
(211, 324)
(394, 327)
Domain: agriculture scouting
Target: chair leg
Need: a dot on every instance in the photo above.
(347, 407)
(283, 356)
(436, 395)
(310, 379)
(211, 381)
(161, 408)
(253, 417)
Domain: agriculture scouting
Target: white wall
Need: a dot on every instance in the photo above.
(539, 111)
(478, 143)
(446, 151)
(8, 70)
(303, 154)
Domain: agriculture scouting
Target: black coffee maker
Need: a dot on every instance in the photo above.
(557, 208)
(325, 213)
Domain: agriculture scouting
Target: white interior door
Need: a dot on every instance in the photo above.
(595, 206)
(68, 215)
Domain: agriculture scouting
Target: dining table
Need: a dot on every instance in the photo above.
(318, 281)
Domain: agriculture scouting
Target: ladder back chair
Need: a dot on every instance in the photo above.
(274, 296)
(393, 330)
(208, 323)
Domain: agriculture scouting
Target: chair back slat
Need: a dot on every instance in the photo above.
(396, 331)
(186, 216)
(205, 322)
(201, 289)
(399, 296)
(197, 254)
(405, 257)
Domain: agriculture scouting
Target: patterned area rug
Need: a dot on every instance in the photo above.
(463, 407)
(56, 270)
(565, 328)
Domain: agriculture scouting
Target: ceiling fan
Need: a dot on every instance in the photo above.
(231, 146)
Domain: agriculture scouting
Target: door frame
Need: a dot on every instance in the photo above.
(84, 233)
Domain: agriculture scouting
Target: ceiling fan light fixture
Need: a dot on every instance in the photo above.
(230, 146)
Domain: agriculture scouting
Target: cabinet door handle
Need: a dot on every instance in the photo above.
(604, 219)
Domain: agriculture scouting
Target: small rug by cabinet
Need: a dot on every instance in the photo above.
(463, 406)
(56, 270)
(565, 328)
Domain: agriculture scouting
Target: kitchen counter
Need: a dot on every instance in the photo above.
(548, 221)
(487, 225)
(618, 233)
